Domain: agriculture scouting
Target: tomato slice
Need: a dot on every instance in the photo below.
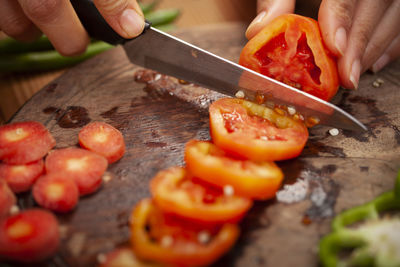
(23, 142)
(169, 239)
(29, 236)
(256, 180)
(104, 139)
(20, 178)
(86, 168)
(175, 191)
(291, 50)
(255, 132)
(7, 199)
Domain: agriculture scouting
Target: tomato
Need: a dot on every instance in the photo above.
(257, 180)
(175, 191)
(7, 199)
(255, 132)
(165, 238)
(291, 50)
(123, 257)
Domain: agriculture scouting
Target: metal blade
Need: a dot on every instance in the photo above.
(171, 56)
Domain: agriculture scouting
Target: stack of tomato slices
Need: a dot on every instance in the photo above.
(192, 218)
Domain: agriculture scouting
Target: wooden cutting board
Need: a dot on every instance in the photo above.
(158, 118)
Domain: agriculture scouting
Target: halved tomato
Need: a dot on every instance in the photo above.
(291, 50)
(255, 132)
(165, 238)
(257, 180)
(175, 191)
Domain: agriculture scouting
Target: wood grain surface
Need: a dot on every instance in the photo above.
(157, 119)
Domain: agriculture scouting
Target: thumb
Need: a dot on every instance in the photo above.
(124, 16)
(267, 11)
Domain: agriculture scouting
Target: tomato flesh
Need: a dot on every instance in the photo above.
(256, 180)
(176, 192)
(165, 238)
(251, 131)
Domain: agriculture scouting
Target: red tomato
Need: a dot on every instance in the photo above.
(164, 238)
(29, 236)
(102, 138)
(257, 180)
(255, 132)
(291, 50)
(176, 192)
(20, 178)
(23, 142)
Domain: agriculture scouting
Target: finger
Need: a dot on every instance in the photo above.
(124, 16)
(391, 53)
(15, 24)
(367, 15)
(335, 18)
(384, 34)
(58, 20)
(268, 10)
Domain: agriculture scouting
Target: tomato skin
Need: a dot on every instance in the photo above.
(291, 49)
(7, 199)
(184, 249)
(174, 191)
(256, 180)
(245, 129)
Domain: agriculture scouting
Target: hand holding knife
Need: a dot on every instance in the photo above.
(169, 55)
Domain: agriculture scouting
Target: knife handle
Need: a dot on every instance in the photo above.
(96, 25)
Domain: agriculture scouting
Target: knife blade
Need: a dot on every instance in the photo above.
(169, 55)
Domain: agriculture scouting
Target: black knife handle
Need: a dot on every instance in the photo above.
(95, 24)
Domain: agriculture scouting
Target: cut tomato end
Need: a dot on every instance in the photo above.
(56, 192)
(24, 142)
(29, 236)
(104, 139)
(123, 257)
(7, 198)
(86, 168)
(20, 178)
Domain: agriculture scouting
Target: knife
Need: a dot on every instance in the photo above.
(157, 50)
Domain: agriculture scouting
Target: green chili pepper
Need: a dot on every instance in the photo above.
(10, 45)
(376, 242)
(161, 17)
(147, 7)
(47, 60)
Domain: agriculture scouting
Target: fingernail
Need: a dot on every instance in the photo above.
(341, 40)
(132, 23)
(256, 20)
(355, 73)
(380, 63)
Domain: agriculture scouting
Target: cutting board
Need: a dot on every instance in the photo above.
(157, 115)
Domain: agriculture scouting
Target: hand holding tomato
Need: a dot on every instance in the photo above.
(362, 34)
